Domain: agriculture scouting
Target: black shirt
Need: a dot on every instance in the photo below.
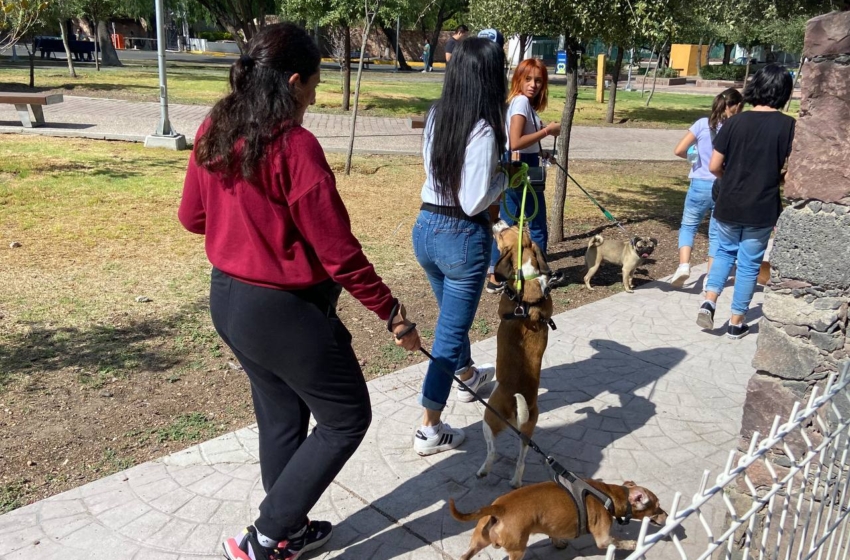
(451, 44)
(755, 145)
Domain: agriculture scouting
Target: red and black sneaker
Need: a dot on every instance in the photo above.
(246, 546)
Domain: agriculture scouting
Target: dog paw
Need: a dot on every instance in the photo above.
(626, 545)
(629, 291)
(516, 484)
(560, 544)
(481, 473)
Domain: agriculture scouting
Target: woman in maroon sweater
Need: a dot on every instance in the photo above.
(259, 189)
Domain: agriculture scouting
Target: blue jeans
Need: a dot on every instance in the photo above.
(454, 254)
(698, 203)
(747, 245)
(537, 227)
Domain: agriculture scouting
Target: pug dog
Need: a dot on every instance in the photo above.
(628, 255)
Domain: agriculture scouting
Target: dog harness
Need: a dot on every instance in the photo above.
(522, 307)
(578, 490)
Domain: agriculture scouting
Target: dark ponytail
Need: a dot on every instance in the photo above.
(262, 105)
(728, 98)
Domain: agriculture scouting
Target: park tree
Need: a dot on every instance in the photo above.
(512, 17)
(241, 18)
(18, 17)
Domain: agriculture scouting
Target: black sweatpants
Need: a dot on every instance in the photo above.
(298, 357)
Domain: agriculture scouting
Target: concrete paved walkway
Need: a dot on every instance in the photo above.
(131, 121)
(631, 390)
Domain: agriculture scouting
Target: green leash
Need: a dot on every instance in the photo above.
(520, 180)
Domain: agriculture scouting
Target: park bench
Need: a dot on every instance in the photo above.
(355, 58)
(416, 122)
(24, 102)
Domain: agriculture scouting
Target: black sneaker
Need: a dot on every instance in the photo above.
(495, 288)
(736, 332)
(245, 545)
(705, 317)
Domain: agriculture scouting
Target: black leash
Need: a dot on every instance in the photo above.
(575, 487)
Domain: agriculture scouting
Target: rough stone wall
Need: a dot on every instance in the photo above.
(803, 336)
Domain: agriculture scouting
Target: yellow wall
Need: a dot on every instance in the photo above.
(684, 59)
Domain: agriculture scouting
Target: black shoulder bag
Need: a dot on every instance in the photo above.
(715, 187)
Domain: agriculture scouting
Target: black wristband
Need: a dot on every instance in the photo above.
(393, 313)
(406, 331)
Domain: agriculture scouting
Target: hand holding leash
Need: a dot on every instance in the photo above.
(404, 331)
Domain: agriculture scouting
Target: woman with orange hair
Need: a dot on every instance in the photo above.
(529, 94)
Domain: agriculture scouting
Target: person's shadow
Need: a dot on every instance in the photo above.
(615, 385)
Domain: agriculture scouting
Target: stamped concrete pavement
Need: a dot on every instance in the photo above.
(631, 390)
(131, 121)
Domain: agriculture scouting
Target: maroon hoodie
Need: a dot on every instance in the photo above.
(289, 231)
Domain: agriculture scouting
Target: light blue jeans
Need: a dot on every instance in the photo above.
(747, 245)
(454, 254)
(698, 203)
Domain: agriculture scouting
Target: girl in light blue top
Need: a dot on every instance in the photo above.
(696, 147)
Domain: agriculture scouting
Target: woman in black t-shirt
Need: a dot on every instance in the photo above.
(749, 154)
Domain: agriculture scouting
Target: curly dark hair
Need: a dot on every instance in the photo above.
(262, 105)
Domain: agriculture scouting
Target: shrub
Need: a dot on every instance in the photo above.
(215, 35)
(732, 72)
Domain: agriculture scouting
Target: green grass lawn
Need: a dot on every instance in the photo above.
(382, 94)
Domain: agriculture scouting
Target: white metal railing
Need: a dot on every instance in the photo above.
(803, 512)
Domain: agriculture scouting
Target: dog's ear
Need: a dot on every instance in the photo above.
(542, 265)
(629, 484)
(504, 269)
(654, 241)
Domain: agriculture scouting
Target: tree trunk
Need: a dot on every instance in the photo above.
(699, 59)
(655, 74)
(615, 78)
(96, 49)
(391, 37)
(747, 71)
(346, 69)
(107, 49)
(435, 35)
(357, 87)
(727, 53)
(64, 31)
(523, 40)
(31, 52)
(796, 79)
(556, 214)
(230, 28)
(645, 74)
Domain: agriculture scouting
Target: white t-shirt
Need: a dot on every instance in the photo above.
(520, 105)
(481, 182)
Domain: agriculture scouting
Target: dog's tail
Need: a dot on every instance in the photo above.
(494, 510)
(595, 241)
(521, 410)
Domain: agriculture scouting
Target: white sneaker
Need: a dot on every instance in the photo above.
(444, 439)
(482, 375)
(682, 274)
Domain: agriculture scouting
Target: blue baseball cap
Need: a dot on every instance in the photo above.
(493, 35)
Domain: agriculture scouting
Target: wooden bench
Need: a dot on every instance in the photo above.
(355, 59)
(24, 102)
(416, 122)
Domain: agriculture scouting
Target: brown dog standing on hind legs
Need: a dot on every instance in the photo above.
(522, 338)
(628, 255)
(546, 508)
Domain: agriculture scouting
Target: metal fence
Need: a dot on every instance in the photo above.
(799, 513)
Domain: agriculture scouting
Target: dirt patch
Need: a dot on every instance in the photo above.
(93, 381)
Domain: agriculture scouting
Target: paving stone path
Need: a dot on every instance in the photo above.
(131, 121)
(631, 390)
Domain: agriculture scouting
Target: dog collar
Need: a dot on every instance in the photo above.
(521, 310)
(623, 520)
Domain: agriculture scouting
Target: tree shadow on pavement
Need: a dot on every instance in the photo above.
(607, 381)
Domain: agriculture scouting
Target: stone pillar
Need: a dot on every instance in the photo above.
(803, 335)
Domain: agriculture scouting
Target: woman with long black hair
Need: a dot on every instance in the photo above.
(464, 138)
(279, 238)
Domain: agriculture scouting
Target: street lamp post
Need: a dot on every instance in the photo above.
(165, 136)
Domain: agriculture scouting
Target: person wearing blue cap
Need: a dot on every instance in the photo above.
(494, 35)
